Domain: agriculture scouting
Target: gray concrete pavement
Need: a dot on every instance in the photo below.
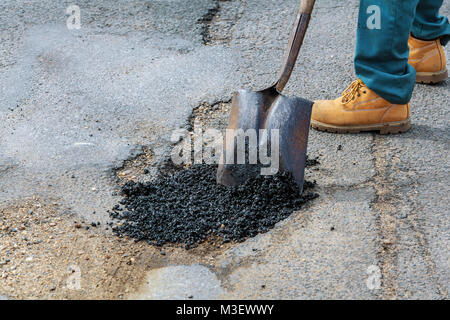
(76, 103)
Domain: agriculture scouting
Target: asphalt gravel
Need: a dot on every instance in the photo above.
(189, 207)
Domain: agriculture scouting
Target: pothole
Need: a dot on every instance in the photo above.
(210, 115)
(135, 167)
(145, 167)
(184, 206)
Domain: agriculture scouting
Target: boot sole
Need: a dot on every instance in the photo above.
(382, 128)
(431, 77)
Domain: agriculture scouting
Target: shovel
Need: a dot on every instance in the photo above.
(268, 110)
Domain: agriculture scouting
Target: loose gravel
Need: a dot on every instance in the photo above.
(189, 207)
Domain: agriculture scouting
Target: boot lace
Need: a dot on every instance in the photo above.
(354, 89)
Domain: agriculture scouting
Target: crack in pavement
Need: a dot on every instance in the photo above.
(218, 22)
(393, 213)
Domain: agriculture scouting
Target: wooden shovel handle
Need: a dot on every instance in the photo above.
(295, 43)
(307, 6)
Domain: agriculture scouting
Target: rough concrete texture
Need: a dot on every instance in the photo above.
(187, 282)
(76, 103)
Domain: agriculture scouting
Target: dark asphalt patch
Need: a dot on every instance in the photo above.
(189, 207)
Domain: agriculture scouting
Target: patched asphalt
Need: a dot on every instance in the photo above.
(188, 207)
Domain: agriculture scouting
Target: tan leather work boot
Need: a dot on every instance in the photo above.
(360, 109)
(428, 58)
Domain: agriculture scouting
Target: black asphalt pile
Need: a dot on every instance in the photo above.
(189, 207)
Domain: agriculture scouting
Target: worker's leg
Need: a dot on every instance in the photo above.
(381, 58)
(428, 33)
(380, 102)
(428, 24)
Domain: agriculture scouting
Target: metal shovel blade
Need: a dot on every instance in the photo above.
(266, 110)
(263, 113)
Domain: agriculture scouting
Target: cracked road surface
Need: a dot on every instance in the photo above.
(75, 104)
